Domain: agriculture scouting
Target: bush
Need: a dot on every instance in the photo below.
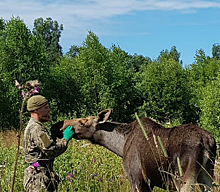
(210, 110)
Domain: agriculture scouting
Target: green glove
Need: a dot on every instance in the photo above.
(68, 133)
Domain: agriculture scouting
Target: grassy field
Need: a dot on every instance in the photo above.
(83, 167)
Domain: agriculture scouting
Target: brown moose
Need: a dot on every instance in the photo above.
(157, 159)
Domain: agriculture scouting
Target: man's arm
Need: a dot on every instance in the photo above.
(48, 147)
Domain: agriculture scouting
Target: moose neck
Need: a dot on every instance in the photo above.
(108, 137)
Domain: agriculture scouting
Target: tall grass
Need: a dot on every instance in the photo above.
(83, 167)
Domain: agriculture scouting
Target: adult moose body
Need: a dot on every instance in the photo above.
(144, 159)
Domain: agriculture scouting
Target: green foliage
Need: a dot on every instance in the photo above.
(2, 23)
(216, 51)
(203, 70)
(93, 168)
(7, 158)
(73, 51)
(47, 50)
(138, 62)
(91, 72)
(99, 78)
(62, 89)
(173, 54)
(199, 75)
(165, 91)
(83, 167)
(123, 95)
(21, 58)
(48, 33)
(14, 59)
(91, 77)
(14, 49)
(210, 110)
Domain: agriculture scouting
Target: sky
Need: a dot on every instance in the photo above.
(142, 27)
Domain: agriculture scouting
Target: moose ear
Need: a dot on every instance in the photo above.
(104, 115)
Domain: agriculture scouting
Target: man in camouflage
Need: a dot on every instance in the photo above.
(39, 148)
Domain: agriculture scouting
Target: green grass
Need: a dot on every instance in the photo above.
(94, 168)
(83, 167)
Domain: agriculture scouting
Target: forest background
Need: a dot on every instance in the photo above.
(91, 77)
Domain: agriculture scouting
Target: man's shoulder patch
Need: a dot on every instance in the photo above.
(46, 140)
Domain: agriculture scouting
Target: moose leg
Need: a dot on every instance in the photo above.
(139, 186)
(188, 186)
(190, 176)
(205, 177)
(135, 177)
(205, 181)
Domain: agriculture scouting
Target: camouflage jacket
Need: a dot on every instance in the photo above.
(39, 147)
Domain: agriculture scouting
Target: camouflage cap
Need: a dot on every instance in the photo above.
(36, 102)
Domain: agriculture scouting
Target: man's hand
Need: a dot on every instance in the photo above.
(68, 133)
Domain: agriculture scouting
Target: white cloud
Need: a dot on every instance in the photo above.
(78, 16)
(88, 10)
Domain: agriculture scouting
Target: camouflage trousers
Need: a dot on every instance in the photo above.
(40, 180)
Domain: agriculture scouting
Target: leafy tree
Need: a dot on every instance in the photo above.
(75, 83)
(92, 77)
(209, 106)
(122, 84)
(14, 59)
(172, 54)
(2, 23)
(216, 51)
(91, 64)
(138, 61)
(63, 90)
(73, 51)
(48, 33)
(99, 78)
(14, 50)
(200, 74)
(23, 57)
(165, 91)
